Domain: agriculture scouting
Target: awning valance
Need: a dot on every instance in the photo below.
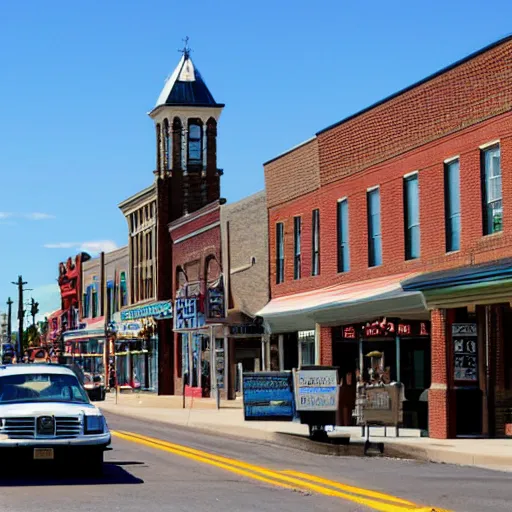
(344, 304)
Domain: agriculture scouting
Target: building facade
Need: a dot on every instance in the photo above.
(244, 233)
(360, 214)
(186, 179)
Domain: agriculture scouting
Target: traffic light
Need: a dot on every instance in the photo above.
(34, 308)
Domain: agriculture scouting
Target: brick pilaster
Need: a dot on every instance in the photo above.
(438, 397)
(325, 346)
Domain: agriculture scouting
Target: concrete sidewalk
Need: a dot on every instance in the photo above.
(228, 420)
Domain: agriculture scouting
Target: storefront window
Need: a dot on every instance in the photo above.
(307, 348)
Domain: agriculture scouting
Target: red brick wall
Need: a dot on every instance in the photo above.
(292, 175)
(467, 94)
(428, 160)
(326, 346)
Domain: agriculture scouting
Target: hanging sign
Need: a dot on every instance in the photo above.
(215, 300)
(465, 354)
(186, 314)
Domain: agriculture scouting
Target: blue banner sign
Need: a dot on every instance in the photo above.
(158, 310)
(268, 396)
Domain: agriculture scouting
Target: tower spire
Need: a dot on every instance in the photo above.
(186, 48)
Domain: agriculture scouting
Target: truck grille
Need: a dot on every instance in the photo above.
(67, 426)
(25, 428)
(18, 428)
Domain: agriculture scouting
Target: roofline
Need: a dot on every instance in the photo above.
(189, 217)
(136, 196)
(284, 153)
(442, 71)
(196, 105)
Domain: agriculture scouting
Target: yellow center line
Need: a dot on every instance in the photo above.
(348, 488)
(273, 477)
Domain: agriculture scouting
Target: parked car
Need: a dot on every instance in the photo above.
(95, 387)
(46, 415)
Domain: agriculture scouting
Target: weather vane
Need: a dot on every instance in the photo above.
(186, 48)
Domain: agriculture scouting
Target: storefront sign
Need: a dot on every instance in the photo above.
(268, 396)
(158, 311)
(220, 363)
(385, 328)
(465, 355)
(215, 300)
(246, 329)
(186, 314)
(349, 333)
(128, 330)
(316, 390)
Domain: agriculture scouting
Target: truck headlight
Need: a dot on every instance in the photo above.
(94, 425)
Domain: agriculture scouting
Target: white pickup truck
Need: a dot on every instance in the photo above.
(46, 415)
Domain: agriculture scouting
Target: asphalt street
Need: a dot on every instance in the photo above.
(155, 467)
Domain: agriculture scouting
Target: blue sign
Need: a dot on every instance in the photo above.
(187, 314)
(158, 310)
(268, 396)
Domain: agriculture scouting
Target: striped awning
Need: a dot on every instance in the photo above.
(344, 304)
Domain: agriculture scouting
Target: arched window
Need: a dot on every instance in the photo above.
(195, 146)
(158, 147)
(167, 145)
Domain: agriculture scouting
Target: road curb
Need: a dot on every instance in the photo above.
(352, 449)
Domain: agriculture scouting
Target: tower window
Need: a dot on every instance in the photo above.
(194, 143)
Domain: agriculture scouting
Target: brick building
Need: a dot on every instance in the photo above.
(363, 217)
(185, 180)
(244, 230)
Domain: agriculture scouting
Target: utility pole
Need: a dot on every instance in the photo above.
(9, 319)
(21, 313)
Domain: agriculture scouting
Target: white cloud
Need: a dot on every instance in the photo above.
(39, 216)
(92, 247)
(27, 216)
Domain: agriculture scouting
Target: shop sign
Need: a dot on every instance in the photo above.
(316, 390)
(349, 333)
(158, 311)
(246, 329)
(379, 328)
(268, 396)
(186, 314)
(215, 301)
(464, 339)
(383, 328)
(128, 329)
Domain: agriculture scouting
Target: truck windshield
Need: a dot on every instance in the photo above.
(41, 387)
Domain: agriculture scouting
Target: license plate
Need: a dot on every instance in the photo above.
(43, 454)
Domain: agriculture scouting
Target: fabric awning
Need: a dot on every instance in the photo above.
(484, 283)
(89, 328)
(344, 304)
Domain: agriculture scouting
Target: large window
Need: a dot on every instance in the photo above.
(297, 228)
(123, 289)
(452, 204)
(315, 263)
(411, 217)
(279, 252)
(342, 225)
(491, 188)
(194, 143)
(374, 235)
(307, 348)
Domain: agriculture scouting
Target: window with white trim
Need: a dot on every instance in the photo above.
(491, 188)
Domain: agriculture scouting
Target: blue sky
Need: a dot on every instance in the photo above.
(77, 79)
